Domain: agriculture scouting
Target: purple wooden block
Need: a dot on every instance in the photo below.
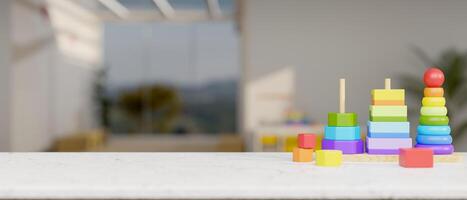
(440, 149)
(346, 146)
(383, 151)
(388, 143)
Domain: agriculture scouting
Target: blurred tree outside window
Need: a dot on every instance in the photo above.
(170, 77)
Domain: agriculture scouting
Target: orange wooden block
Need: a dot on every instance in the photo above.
(433, 92)
(302, 155)
(416, 157)
(387, 102)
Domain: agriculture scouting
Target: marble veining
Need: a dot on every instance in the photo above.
(217, 175)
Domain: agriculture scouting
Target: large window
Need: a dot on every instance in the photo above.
(171, 77)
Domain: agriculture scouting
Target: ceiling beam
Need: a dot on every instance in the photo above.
(166, 9)
(214, 9)
(152, 16)
(116, 7)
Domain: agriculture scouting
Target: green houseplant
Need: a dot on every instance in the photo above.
(162, 103)
(453, 63)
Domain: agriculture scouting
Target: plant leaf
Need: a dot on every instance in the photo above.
(453, 63)
(423, 56)
(459, 130)
(460, 98)
(413, 85)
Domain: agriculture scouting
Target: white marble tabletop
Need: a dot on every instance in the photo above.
(216, 175)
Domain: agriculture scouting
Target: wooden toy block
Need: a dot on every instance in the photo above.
(433, 130)
(434, 139)
(387, 102)
(328, 158)
(388, 111)
(346, 146)
(382, 151)
(416, 157)
(388, 143)
(319, 139)
(302, 155)
(289, 148)
(269, 140)
(342, 133)
(306, 141)
(433, 101)
(342, 119)
(388, 119)
(433, 92)
(438, 149)
(434, 120)
(290, 143)
(388, 94)
(453, 158)
(388, 135)
(433, 111)
(388, 127)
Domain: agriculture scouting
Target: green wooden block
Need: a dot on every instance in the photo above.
(388, 111)
(342, 119)
(388, 119)
(434, 120)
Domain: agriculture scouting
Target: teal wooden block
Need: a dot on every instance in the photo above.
(342, 133)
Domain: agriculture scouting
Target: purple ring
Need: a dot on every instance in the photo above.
(346, 146)
(440, 149)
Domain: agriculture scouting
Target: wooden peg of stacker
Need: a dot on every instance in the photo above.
(387, 83)
(342, 95)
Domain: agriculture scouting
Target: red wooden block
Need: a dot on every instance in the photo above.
(306, 140)
(416, 157)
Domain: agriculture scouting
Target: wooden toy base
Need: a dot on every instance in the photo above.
(453, 158)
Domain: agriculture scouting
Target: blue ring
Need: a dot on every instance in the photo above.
(433, 130)
(431, 139)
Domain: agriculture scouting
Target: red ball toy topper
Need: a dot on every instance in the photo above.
(433, 77)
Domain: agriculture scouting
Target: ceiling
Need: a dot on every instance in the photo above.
(165, 10)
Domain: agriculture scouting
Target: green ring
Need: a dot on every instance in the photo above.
(434, 120)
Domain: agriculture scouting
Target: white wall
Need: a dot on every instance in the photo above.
(269, 98)
(78, 39)
(4, 75)
(361, 40)
(51, 73)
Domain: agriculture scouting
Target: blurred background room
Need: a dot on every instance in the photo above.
(214, 75)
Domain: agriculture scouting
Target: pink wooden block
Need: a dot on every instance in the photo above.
(416, 157)
(306, 140)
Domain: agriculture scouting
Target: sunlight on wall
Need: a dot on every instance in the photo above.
(268, 98)
(78, 31)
